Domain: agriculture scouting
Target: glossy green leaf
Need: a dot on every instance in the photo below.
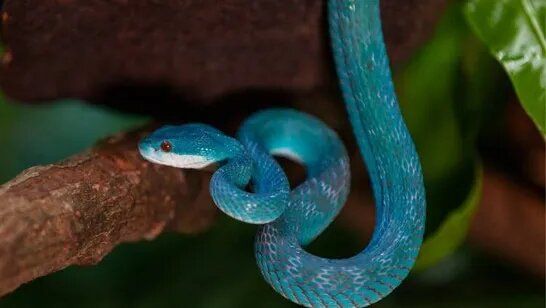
(514, 31)
(447, 238)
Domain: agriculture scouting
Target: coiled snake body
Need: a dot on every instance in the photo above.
(291, 219)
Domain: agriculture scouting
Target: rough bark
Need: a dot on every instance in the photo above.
(195, 50)
(77, 211)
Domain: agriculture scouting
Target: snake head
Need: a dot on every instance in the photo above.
(192, 146)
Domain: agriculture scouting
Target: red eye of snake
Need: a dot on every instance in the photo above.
(166, 146)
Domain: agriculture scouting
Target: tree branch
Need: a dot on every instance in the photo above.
(77, 211)
(196, 50)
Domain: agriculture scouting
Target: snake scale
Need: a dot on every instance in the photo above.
(290, 219)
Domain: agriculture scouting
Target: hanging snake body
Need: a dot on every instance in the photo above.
(290, 219)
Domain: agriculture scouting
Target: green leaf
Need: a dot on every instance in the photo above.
(447, 238)
(514, 31)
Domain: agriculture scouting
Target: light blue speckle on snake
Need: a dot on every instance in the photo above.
(291, 219)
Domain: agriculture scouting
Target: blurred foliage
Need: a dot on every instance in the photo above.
(447, 90)
(445, 129)
(452, 233)
(515, 31)
(33, 135)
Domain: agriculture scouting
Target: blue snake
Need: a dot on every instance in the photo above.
(249, 185)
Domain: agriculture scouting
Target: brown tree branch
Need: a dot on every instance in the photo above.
(77, 211)
(196, 50)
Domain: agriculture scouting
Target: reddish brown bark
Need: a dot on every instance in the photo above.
(77, 211)
(201, 50)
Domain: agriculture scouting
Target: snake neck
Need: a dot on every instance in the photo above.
(237, 169)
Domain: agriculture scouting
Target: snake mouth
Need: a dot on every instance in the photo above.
(176, 160)
(189, 161)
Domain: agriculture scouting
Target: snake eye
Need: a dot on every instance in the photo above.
(166, 146)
